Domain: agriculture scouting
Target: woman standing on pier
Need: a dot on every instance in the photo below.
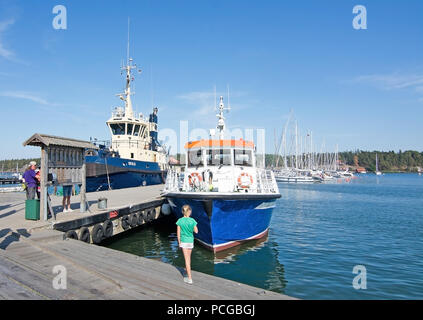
(185, 233)
(30, 180)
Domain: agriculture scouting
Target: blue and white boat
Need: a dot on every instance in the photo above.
(134, 157)
(232, 199)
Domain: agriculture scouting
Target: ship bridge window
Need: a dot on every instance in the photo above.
(118, 128)
(142, 131)
(218, 157)
(243, 158)
(137, 130)
(129, 128)
(195, 158)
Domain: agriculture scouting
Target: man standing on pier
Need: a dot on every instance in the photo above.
(30, 180)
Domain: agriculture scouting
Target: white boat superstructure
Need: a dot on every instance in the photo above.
(221, 165)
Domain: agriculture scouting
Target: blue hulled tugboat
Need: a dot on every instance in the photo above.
(134, 157)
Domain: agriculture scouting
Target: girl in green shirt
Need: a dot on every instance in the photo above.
(185, 232)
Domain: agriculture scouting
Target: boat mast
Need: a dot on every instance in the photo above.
(296, 144)
(221, 122)
(336, 158)
(126, 96)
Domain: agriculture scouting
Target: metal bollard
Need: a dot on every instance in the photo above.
(102, 203)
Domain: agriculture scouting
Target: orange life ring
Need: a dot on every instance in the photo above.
(241, 183)
(191, 178)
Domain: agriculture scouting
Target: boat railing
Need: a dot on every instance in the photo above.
(266, 183)
(173, 182)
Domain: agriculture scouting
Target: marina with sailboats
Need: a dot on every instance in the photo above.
(297, 161)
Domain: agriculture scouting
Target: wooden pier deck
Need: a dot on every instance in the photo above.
(12, 206)
(29, 250)
(94, 272)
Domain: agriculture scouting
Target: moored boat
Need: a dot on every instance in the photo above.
(134, 157)
(232, 199)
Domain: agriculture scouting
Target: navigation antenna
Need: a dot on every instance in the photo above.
(126, 96)
(127, 51)
(221, 119)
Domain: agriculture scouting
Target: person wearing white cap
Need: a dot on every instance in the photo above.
(30, 180)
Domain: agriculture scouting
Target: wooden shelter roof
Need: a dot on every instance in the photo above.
(41, 140)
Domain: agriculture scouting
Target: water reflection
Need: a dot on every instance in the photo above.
(254, 262)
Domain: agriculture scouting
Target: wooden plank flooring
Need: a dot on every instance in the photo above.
(12, 206)
(93, 272)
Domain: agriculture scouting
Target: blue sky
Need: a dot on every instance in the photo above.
(355, 88)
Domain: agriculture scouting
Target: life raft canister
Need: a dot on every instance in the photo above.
(245, 180)
(194, 176)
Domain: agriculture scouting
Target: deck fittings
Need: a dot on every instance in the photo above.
(102, 203)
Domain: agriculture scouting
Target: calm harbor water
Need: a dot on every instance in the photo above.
(318, 234)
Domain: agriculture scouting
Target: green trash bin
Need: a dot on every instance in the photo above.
(32, 209)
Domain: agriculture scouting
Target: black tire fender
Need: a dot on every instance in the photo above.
(71, 234)
(84, 235)
(140, 218)
(151, 214)
(133, 220)
(125, 222)
(108, 228)
(97, 233)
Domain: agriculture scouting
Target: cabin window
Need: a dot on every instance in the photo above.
(243, 158)
(142, 131)
(218, 157)
(118, 128)
(137, 129)
(129, 127)
(194, 158)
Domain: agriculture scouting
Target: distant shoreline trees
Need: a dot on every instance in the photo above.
(390, 161)
(407, 161)
(10, 165)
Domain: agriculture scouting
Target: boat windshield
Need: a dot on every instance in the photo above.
(129, 127)
(243, 158)
(194, 158)
(137, 130)
(118, 128)
(218, 157)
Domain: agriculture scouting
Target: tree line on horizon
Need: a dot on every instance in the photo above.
(10, 165)
(407, 161)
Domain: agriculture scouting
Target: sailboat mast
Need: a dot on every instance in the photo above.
(296, 144)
